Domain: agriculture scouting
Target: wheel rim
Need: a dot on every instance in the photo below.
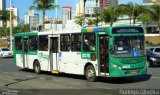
(90, 73)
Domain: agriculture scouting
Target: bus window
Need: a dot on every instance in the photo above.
(89, 42)
(65, 42)
(133, 46)
(75, 42)
(33, 43)
(43, 43)
(18, 43)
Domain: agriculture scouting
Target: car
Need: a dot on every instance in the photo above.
(5, 52)
(153, 56)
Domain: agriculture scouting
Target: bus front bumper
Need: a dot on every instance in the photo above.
(119, 72)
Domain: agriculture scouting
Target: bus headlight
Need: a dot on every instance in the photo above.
(116, 66)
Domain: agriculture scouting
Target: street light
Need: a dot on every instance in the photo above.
(10, 25)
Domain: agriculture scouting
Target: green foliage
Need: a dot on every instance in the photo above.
(79, 20)
(109, 15)
(58, 22)
(43, 5)
(90, 22)
(154, 12)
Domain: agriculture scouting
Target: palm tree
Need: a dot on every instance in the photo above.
(43, 5)
(5, 16)
(154, 12)
(133, 11)
(109, 15)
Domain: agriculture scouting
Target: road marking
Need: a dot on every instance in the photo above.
(155, 77)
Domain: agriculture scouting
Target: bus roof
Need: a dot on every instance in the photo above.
(26, 33)
(103, 29)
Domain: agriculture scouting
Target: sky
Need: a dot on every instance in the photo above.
(23, 6)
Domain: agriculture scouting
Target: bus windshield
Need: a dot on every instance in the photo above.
(128, 46)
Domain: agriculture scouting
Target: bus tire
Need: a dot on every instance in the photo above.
(1, 56)
(148, 64)
(90, 73)
(37, 67)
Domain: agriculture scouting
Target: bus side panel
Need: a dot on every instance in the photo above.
(31, 59)
(43, 58)
(19, 60)
(71, 62)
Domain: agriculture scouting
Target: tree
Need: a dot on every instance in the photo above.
(133, 11)
(5, 16)
(109, 15)
(43, 5)
(79, 20)
(145, 18)
(154, 12)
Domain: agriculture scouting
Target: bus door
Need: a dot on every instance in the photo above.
(53, 53)
(103, 54)
(24, 52)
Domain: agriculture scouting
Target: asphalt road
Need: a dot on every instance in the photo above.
(15, 81)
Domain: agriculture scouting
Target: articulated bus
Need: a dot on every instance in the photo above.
(117, 51)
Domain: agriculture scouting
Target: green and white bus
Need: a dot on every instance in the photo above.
(117, 51)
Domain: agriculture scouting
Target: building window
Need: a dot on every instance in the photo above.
(18, 43)
(65, 42)
(43, 43)
(75, 42)
(33, 43)
(89, 42)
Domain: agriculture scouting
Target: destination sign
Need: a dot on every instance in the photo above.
(127, 30)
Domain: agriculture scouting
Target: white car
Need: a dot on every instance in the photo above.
(5, 52)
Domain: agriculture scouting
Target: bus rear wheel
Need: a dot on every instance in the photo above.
(37, 68)
(90, 73)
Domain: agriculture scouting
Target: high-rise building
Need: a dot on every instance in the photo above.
(31, 18)
(105, 3)
(66, 14)
(15, 12)
(2, 7)
(2, 4)
(90, 6)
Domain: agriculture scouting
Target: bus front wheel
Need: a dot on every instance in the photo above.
(1, 56)
(37, 68)
(90, 73)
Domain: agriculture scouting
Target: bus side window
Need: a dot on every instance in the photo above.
(33, 43)
(43, 43)
(18, 43)
(75, 42)
(65, 42)
(88, 42)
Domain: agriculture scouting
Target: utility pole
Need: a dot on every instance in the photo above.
(11, 25)
(97, 12)
(84, 12)
(56, 17)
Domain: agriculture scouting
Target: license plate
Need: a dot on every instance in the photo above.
(134, 72)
